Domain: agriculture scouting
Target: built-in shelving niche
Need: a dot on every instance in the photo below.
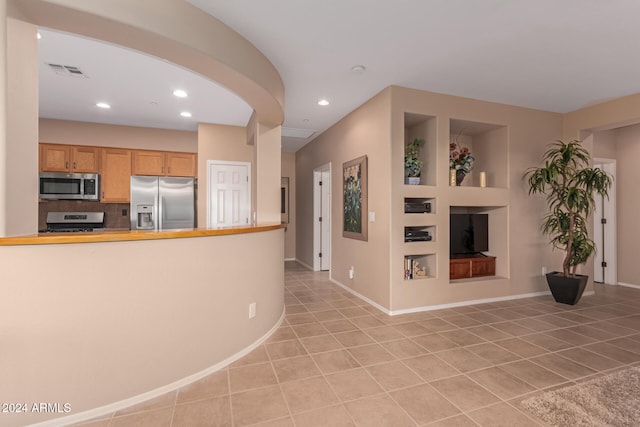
(489, 144)
(498, 236)
(426, 264)
(421, 126)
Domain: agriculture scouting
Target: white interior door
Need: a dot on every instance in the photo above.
(605, 263)
(325, 226)
(322, 218)
(229, 196)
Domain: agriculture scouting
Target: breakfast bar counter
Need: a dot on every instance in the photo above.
(131, 235)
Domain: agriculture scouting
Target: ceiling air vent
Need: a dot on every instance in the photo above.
(67, 70)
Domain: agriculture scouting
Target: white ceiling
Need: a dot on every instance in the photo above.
(554, 55)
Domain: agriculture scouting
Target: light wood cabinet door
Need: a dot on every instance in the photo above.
(55, 158)
(148, 162)
(181, 164)
(116, 175)
(85, 159)
(69, 158)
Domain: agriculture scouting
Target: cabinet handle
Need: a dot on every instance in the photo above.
(169, 169)
(74, 165)
(66, 165)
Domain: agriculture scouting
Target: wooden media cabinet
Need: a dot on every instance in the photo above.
(465, 266)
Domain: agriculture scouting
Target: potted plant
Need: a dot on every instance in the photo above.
(412, 162)
(569, 184)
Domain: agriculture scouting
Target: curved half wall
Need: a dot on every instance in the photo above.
(94, 324)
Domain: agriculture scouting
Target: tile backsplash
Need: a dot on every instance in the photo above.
(113, 211)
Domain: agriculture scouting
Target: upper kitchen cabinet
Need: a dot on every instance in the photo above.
(163, 163)
(181, 164)
(116, 175)
(148, 162)
(69, 158)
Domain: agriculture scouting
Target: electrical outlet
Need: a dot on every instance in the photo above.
(352, 272)
(252, 310)
(544, 271)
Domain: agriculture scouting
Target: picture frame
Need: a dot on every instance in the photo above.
(355, 199)
(284, 200)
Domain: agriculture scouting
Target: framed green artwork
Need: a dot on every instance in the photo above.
(354, 191)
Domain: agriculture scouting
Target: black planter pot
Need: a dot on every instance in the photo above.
(566, 290)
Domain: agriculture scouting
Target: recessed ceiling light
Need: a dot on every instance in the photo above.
(323, 102)
(358, 69)
(185, 114)
(180, 93)
(103, 105)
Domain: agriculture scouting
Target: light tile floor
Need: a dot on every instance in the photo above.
(337, 361)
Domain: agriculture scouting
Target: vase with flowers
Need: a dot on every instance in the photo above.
(460, 161)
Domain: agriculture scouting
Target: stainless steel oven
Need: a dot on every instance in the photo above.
(69, 186)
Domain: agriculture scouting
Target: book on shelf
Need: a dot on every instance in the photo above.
(413, 270)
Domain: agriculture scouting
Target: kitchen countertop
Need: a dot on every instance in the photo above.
(131, 235)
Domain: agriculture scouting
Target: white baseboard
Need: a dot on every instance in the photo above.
(304, 264)
(113, 407)
(362, 297)
(629, 285)
(443, 306)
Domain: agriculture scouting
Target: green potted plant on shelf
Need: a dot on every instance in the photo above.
(412, 162)
(569, 184)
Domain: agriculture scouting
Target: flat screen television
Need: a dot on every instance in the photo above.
(468, 233)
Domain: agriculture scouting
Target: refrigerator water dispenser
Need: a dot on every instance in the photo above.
(145, 217)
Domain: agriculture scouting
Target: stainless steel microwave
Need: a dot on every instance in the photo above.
(69, 186)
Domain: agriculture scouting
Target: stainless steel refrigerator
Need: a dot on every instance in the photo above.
(162, 203)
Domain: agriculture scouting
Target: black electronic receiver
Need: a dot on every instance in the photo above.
(417, 236)
(417, 207)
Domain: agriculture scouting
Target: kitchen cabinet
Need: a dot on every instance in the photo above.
(69, 158)
(163, 163)
(115, 174)
(148, 162)
(181, 164)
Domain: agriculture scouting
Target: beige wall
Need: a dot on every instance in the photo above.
(377, 129)
(289, 170)
(19, 182)
(218, 142)
(627, 144)
(104, 135)
(115, 328)
(621, 117)
(267, 155)
(363, 132)
(604, 144)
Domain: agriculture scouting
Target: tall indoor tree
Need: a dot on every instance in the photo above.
(570, 184)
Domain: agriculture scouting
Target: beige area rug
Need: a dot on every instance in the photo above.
(611, 400)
